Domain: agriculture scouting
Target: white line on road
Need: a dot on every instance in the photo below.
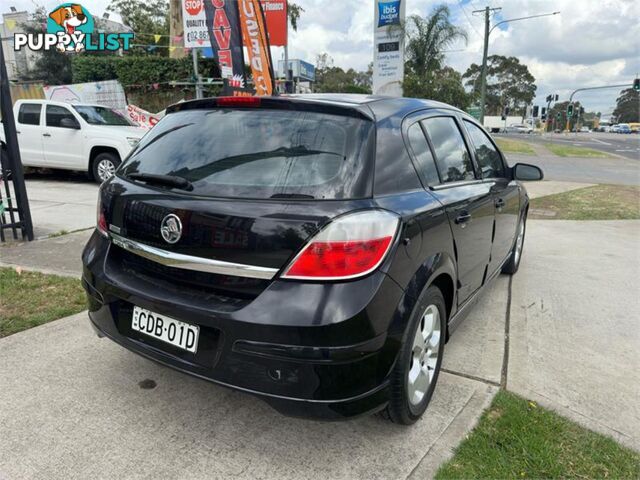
(600, 141)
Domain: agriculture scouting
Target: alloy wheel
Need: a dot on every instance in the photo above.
(106, 170)
(424, 355)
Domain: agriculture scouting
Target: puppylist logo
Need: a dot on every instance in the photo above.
(389, 13)
(70, 28)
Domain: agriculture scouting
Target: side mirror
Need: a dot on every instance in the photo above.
(527, 173)
(69, 123)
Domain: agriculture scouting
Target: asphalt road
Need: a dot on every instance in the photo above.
(627, 146)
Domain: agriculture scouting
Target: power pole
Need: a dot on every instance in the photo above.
(483, 74)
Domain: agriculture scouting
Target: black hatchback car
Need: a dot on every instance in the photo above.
(315, 250)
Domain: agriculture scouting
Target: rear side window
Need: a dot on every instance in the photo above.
(260, 153)
(55, 114)
(452, 156)
(487, 155)
(422, 152)
(29, 114)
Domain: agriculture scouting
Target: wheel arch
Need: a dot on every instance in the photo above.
(97, 150)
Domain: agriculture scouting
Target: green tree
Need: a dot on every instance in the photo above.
(509, 84)
(146, 19)
(332, 79)
(443, 85)
(293, 12)
(426, 41)
(561, 107)
(51, 66)
(428, 38)
(627, 106)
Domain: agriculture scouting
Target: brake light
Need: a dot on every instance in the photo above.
(349, 247)
(101, 223)
(238, 101)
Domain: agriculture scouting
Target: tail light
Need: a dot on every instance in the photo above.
(101, 223)
(349, 247)
(238, 101)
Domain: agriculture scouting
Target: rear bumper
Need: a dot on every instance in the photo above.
(309, 350)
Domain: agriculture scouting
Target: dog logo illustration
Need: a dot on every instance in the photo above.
(68, 21)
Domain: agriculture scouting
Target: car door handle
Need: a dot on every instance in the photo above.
(46, 134)
(463, 218)
(18, 132)
(500, 203)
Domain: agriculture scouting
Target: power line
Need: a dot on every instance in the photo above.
(464, 10)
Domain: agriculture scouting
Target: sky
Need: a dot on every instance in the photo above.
(590, 43)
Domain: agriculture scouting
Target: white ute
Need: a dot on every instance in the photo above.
(90, 138)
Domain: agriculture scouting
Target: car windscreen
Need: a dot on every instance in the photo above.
(260, 153)
(101, 116)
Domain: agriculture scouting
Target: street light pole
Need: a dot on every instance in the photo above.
(487, 31)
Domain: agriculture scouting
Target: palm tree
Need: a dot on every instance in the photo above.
(294, 11)
(427, 38)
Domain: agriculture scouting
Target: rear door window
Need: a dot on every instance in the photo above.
(29, 113)
(487, 155)
(452, 156)
(260, 153)
(426, 164)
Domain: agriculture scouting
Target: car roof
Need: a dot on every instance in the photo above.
(381, 106)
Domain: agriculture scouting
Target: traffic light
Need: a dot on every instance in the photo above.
(581, 111)
(557, 97)
(535, 111)
(559, 116)
(570, 110)
(636, 84)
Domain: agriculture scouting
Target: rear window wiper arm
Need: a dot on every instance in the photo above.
(166, 180)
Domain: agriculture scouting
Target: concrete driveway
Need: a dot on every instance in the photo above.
(61, 201)
(574, 323)
(73, 407)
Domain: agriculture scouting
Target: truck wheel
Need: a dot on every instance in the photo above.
(104, 166)
(415, 374)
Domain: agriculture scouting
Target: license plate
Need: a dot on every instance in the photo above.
(169, 330)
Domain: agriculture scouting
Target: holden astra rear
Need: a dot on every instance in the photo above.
(316, 250)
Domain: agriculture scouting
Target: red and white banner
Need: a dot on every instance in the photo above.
(141, 117)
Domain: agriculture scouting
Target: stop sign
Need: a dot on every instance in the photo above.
(193, 7)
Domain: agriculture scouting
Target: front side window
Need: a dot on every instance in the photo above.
(55, 114)
(426, 164)
(487, 155)
(95, 115)
(29, 114)
(452, 156)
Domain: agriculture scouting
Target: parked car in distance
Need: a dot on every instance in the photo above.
(314, 250)
(635, 127)
(614, 128)
(623, 128)
(89, 138)
(519, 128)
(585, 130)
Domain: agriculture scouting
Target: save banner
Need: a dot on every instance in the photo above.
(223, 25)
(257, 42)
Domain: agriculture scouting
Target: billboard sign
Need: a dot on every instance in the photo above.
(194, 21)
(275, 12)
(300, 70)
(388, 56)
(196, 33)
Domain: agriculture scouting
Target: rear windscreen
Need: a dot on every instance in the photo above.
(260, 153)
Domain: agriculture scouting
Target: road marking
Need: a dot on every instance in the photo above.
(600, 141)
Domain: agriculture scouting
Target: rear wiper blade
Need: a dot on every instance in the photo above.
(167, 180)
(294, 196)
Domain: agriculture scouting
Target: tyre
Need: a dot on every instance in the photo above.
(513, 263)
(104, 166)
(415, 374)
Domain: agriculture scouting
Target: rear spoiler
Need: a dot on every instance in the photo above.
(277, 103)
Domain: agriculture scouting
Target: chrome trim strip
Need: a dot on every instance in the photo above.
(188, 262)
